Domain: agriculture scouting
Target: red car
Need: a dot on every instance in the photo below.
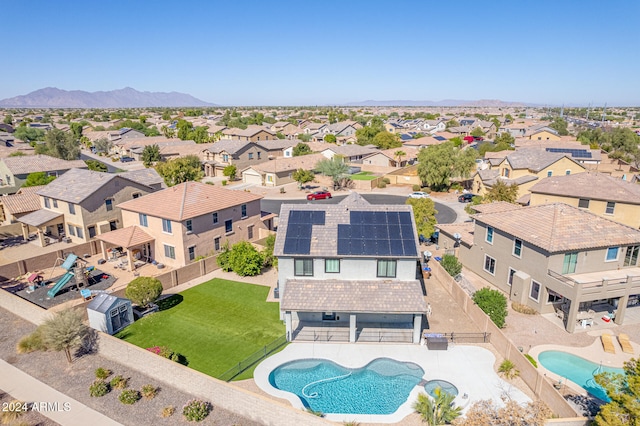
(319, 195)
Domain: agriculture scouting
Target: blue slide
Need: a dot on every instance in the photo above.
(56, 288)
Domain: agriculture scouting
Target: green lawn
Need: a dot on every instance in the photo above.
(364, 176)
(214, 325)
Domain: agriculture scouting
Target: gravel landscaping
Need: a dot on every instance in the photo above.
(32, 418)
(74, 380)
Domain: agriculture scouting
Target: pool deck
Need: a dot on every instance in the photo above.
(469, 368)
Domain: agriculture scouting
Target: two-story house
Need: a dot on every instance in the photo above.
(14, 170)
(351, 153)
(352, 267)
(82, 204)
(553, 258)
(252, 133)
(226, 152)
(598, 193)
(176, 225)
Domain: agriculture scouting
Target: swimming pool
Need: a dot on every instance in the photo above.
(380, 387)
(445, 386)
(578, 370)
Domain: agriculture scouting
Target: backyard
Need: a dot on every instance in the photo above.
(364, 176)
(214, 325)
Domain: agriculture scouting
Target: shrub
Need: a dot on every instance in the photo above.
(168, 411)
(382, 184)
(386, 180)
(223, 258)
(508, 369)
(451, 264)
(129, 396)
(245, 260)
(119, 382)
(493, 303)
(224, 183)
(196, 410)
(416, 188)
(531, 360)
(99, 388)
(426, 189)
(523, 309)
(149, 391)
(168, 353)
(143, 291)
(102, 373)
(32, 342)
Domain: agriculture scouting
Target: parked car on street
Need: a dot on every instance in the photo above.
(418, 194)
(319, 195)
(466, 198)
(126, 159)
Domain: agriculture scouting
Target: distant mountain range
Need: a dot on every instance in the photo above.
(446, 102)
(52, 97)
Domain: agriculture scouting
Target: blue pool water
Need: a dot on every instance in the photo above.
(380, 387)
(445, 386)
(578, 370)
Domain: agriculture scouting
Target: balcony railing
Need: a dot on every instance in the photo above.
(596, 286)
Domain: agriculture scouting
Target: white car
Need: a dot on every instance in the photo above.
(419, 194)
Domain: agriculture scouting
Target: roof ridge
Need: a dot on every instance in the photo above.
(184, 198)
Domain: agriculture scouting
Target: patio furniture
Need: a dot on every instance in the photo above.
(607, 343)
(625, 344)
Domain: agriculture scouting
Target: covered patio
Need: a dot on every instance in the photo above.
(49, 226)
(353, 311)
(131, 239)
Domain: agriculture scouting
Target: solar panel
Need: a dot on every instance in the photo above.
(300, 229)
(577, 153)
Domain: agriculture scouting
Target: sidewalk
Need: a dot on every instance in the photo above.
(49, 402)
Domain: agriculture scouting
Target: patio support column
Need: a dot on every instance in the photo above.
(417, 325)
(352, 328)
(130, 259)
(622, 303)
(104, 250)
(25, 232)
(573, 315)
(41, 238)
(288, 328)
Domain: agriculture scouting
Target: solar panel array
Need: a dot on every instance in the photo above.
(377, 233)
(440, 138)
(299, 229)
(576, 153)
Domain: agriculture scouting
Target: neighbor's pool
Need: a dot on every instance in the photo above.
(578, 370)
(380, 387)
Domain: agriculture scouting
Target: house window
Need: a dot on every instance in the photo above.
(47, 202)
(113, 225)
(489, 237)
(143, 219)
(583, 203)
(631, 257)
(92, 231)
(505, 172)
(303, 267)
(169, 251)
(269, 178)
(251, 156)
(567, 172)
(517, 248)
(332, 266)
(72, 230)
(386, 268)
(215, 218)
(216, 244)
(549, 173)
(228, 225)
(243, 208)
(136, 195)
(553, 297)
(610, 207)
(250, 232)
(535, 291)
(79, 232)
(612, 254)
(259, 155)
(109, 204)
(72, 209)
(225, 158)
(489, 264)
(166, 226)
(192, 252)
(189, 226)
(512, 272)
(570, 262)
(55, 203)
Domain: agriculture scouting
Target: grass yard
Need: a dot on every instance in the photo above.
(364, 176)
(214, 325)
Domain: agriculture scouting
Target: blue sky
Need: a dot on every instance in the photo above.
(330, 51)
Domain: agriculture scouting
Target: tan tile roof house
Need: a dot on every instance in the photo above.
(24, 201)
(14, 170)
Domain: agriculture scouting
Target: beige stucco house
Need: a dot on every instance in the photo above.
(279, 171)
(14, 170)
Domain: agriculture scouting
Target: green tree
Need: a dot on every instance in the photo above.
(438, 164)
(166, 115)
(96, 165)
(29, 134)
(76, 130)
(560, 126)
(386, 140)
(179, 170)
(509, 118)
(452, 123)
(280, 135)
(151, 154)
(330, 138)
(37, 179)
(184, 128)
(493, 303)
(301, 149)
(60, 144)
(500, 191)
(64, 331)
(267, 253)
(102, 145)
(624, 392)
(439, 410)
(8, 119)
(168, 132)
(304, 137)
(424, 213)
(143, 291)
(451, 264)
(230, 171)
(335, 168)
(399, 154)
(303, 176)
(366, 134)
(245, 260)
(504, 138)
(477, 132)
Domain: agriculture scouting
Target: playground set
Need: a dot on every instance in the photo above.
(76, 269)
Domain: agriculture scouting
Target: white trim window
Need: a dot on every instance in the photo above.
(517, 247)
(332, 266)
(534, 292)
(169, 251)
(489, 236)
(512, 272)
(611, 207)
(612, 254)
(489, 264)
(166, 226)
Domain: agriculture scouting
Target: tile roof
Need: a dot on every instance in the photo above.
(26, 200)
(126, 237)
(559, 227)
(497, 207)
(465, 229)
(39, 217)
(533, 159)
(350, 150)
(230, 146)
(307, 162)
(398, 297)
(39, 163)
(188, 200)
(143, 176)
(590, 185)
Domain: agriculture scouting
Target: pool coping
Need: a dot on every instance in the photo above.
(436, 364)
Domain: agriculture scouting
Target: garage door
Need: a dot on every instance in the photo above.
(251, 176)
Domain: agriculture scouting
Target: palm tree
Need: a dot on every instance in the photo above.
(64, 331)
(399, 154)
(437, 411)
